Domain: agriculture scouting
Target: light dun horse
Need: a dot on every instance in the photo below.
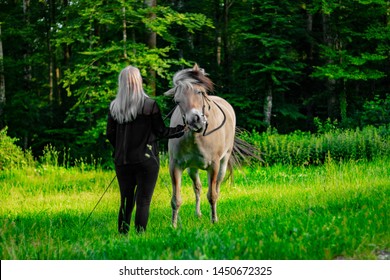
(209, 142)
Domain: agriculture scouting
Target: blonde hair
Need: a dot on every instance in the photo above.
(130, 97)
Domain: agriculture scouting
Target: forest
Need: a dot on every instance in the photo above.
(308, 80)
(284, 65)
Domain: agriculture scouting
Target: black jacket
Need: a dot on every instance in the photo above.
(136, 141)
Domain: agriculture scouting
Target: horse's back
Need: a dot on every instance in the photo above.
(223, 103)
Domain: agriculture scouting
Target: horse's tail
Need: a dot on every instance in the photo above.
(243, 153)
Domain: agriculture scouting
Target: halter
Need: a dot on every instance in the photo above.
(205, 100)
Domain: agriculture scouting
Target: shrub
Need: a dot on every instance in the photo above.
(12, 156)
(376, 112)
(304, 148)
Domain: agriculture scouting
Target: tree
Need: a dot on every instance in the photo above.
(2, 84)
(25, 74)
(269, 33)
(91, 79)
(152, 43)
(347, 25)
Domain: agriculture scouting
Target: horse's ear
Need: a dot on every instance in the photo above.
(170, 92)
(198, 69)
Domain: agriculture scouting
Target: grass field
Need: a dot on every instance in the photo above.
(333, 211)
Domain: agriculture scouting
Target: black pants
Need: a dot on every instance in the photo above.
(136, 183)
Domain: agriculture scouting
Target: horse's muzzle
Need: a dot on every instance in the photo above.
(196, 121)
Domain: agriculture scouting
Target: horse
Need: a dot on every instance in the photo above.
(208, 142)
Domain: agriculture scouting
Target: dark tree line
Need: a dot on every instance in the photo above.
(280, 63)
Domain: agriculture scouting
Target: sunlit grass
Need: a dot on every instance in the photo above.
(280, 212)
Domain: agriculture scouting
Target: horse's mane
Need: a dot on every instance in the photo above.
(191, 77)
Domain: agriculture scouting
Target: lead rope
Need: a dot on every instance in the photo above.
(224, 118)
(90, 214)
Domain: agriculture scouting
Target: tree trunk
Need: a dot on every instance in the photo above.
(308, 92)
(328, 39)
(2, 84)
(27, 68)
(226, 62)
(217, 34)
(67, 48)
(225, 37)
(152, 42)
(309, 28)
(124, 26)
(27, 77)
(268, 107)
(50, 50)
(343, 104)
(66, 52)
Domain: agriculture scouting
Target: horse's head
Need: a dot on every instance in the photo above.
(190, 94)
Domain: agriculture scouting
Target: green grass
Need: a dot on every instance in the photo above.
(337, 210)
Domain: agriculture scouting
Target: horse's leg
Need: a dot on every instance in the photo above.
(212, 193)
(222, 171)
(194, 175)
(176, 201)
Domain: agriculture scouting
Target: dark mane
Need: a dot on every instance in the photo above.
(201, 79)
(194, 76)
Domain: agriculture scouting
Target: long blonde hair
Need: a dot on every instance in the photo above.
(130, 97)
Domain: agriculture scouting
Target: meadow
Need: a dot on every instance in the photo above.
(336, 210)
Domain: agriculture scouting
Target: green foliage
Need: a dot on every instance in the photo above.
(343, 65)
(314, 58)
(328, 126)
(352, 68)
(267, 37)
(52, 158)
(12, 156)
(166, 18)
(376, 112)
(92, 79)
(304, 148)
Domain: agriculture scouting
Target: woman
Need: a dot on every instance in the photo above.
(134, 123)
